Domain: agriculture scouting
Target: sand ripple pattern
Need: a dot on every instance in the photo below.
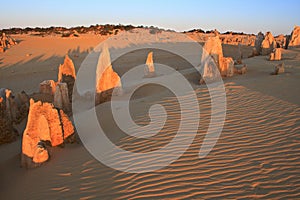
(257, 155)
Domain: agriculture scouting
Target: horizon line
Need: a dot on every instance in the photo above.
(135, 26)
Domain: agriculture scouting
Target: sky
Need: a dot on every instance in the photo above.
(250, 16)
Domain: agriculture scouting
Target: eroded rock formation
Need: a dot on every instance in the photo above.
(295, 37)
(67, 74)
(45, 124)
(213, 47)
(59, 93)
(268, 44)
(13, 109)
(258, 41)
(106, 78)
(226, 38)
(61, 97)
(275, 55)
(47, 87)
(6, 42)
(149, 69)
(279, 69)
(281, 41)
(7, 133)
(225, 65)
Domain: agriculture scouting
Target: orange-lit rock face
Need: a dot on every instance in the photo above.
(295, 37)
(149, 70)
(40, 155)
(67, 125)
(213, 47)
(47, 87)
(67, 74)
(44, 124)
(268, 44)
(6, 42)
(276, 54)
(106, 78)
(227, 67)
(67, 68)
(281, 41)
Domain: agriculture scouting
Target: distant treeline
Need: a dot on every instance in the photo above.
(106, 29)
(101, 29)
(213, 31)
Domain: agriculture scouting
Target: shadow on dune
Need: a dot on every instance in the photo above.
(26, 75)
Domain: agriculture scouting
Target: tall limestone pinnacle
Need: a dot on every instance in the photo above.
(67, 74)
(67, 68)
(268, 44)
(149, 69)
(106, 77)
(225, 65)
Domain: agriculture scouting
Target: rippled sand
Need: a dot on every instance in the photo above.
(256, 156)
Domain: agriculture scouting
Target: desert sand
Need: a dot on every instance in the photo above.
(257, 154)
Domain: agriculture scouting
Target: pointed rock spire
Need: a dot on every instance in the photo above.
(67, 74)
(106, 77)
(149, 69)
(67, 68)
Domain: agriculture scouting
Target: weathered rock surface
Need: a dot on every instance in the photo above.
(61, 97)
(268, 44)
(47, 87)
(279, 69)
(275, 55)
(226, 38)
(67, 74)
(225, 65)
(149, 69)
(106, 78)
(7, 133)
(45, 124)
(6, 42)
(13, 109)
(258, 41)
(281, 41)
(40, 154)
(213, 47)
(295, 37)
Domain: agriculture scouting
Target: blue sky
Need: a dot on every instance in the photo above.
(250, 16)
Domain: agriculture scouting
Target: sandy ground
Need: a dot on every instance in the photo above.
(257, 154)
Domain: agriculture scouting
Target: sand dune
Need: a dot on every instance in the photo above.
(256, 156)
